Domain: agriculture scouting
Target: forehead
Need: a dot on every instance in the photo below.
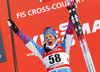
(48, 35)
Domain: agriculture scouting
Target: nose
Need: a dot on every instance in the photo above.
(48, 38)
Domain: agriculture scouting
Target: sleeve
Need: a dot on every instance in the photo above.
(68, 38)
(30, 44)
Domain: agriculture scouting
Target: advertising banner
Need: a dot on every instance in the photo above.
(33, 16)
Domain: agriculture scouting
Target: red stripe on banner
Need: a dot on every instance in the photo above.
(51, 68)
(42, 1)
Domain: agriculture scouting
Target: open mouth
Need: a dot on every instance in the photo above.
(50, 43)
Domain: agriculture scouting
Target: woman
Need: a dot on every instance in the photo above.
(54, 56)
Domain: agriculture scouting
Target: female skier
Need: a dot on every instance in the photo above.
(54, 56)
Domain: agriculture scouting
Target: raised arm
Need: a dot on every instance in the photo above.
(68, 38)
(29, 43)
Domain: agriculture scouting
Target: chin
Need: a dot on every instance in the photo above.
(50, 45)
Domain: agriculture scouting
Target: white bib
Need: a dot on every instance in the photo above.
(56, 58)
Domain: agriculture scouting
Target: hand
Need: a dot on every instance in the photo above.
(75, 5)
(12, 24)
(9, 23)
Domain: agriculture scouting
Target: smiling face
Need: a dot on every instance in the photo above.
(49, 39)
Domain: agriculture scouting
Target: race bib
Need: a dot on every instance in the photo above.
(56, 60)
